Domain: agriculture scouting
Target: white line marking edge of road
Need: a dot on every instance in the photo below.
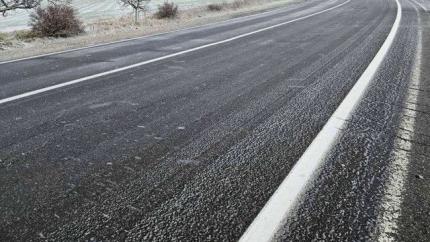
(57, 86)
(145, 36)
(285, 198)
(134, 38)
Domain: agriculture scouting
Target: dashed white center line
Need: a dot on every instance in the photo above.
(102, 74)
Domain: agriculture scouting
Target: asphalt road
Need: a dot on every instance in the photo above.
(191, 147)
(359, 194)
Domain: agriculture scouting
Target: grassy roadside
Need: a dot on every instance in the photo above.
(21, 44)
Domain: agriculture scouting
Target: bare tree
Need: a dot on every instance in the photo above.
(137, 5)
(8, 5)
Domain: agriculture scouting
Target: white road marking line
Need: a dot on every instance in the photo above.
(65, 84)
(269, 220)
(398, 170)
(419, 4)
(144, 37)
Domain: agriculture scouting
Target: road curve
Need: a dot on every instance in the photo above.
(191, 147)
(370, 187)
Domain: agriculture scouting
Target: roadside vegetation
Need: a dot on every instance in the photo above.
(137, 6)
(57, 20)
(55, 27)
(236, 4)
(4, 41)
(10, 5)
(216, 6)
(167, 10)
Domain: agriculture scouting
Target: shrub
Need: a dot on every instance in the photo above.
(167, 10)
(215, 7)
(58, 20)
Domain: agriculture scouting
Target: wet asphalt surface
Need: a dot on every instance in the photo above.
(190, 148)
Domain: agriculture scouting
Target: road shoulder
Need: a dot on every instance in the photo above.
(415, 216)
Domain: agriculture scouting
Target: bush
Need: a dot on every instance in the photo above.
(167, 10)
(215, 7)
(55, 21)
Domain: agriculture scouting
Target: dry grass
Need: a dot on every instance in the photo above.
(5, 41)
(22, 44)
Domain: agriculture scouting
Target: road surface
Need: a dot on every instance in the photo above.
(186, 135)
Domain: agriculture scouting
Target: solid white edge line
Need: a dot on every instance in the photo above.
(46, 89)
(144, 37)
(281, 204)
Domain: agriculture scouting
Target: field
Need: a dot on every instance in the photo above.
(90, 10)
